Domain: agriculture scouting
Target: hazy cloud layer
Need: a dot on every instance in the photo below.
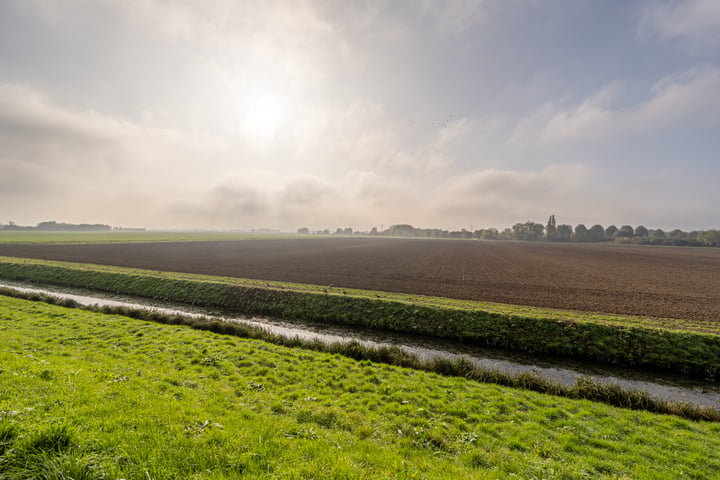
(225, 114)
(696, 20)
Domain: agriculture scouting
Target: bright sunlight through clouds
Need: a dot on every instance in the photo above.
(266, 113)
(242, 114)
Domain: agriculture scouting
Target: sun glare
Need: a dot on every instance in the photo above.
(264, 117)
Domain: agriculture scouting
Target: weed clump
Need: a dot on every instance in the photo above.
(55, 439)
(8, 434)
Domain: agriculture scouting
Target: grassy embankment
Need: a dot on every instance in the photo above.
(88, 395)
(583, 388)
(608, 339)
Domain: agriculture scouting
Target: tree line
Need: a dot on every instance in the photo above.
(53, 226)
(550, 232)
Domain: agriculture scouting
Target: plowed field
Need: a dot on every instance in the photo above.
(654, 281)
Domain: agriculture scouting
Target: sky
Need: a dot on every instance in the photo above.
(227, 114)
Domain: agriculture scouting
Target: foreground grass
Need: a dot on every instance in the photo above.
(86, 395)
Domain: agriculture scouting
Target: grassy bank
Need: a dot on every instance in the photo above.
(593, 337)
(88, 395)
(584, 388)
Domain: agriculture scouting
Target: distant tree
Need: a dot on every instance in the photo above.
(563, 233)
(710, 238)
(303, 231)
(402, 230)
(518, 232)
(626, 231)
(596, 233)
(550, 228)
(489, 234)
(610, 231)
(641, 231)
(678, 234)
(527, 231)
(658, 235)
(581, 233)
(374, 231)
(538, 231)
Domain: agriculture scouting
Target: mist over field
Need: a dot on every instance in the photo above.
(235, 115)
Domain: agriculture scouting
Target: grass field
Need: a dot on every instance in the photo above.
(10, 237)
(87, 395)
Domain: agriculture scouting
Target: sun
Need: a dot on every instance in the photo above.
(264, 116)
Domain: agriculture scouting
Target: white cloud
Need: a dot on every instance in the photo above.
(455, 16)
(81, 166)
(144, 124)
(674, 101)
(697, 20)
(494, 195)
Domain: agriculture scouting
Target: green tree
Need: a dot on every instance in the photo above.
(563, 233)
(641, 231)
(610, 231)
(581, 233)
(596, 233)
(527, 231)
(710, 238)
(678, 234)
(658, 235)
(626, 231)
(550, 228)
(489, 234)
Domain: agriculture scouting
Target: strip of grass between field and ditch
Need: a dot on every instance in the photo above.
(628, 341)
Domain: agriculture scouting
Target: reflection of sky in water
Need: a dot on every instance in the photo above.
(659, 385)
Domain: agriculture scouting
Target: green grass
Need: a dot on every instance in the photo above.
(584, 388)
(630, 344)
(87, 395)
(55, 238)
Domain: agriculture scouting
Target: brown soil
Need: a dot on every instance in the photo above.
(654, 281)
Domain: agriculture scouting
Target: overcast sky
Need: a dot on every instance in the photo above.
(455, 114)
